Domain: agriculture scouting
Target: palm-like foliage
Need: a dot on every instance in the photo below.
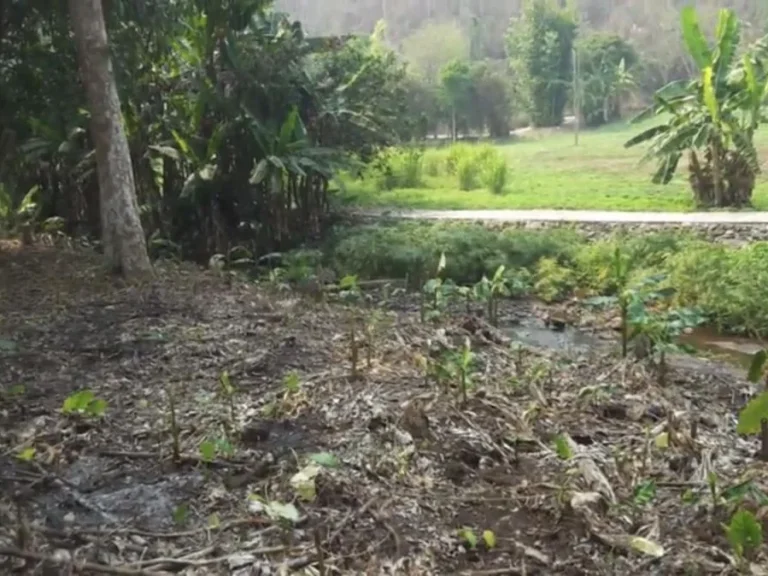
(236, 122)
(712, 117)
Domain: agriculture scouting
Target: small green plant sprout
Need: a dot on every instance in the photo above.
(753, 418)
(501, 285)
(211, 448)
(84, 403)
(563, 448)
(181, 515)
(293, 394)
(745, 535)
(465, 367)
(468, 538)
(437, 293)
(19, 217)
(174, 425)
(349, 290)
(489, 539)
(644, 493)
(26, 454)
(371, 326)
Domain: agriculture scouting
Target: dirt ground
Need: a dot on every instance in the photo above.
(562, 464)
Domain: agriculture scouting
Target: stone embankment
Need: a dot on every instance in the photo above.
(729, 227)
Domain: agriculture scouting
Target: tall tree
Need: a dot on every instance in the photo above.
(121, 232)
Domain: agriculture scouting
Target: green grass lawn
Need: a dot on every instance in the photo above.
(549, 171)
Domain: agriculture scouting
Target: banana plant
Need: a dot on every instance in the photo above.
(753, 419)
(715, 114)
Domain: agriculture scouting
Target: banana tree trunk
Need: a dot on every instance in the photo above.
(717, 174)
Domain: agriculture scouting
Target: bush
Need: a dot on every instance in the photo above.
(553, 280)
(472, 250)
(730, 284)
(647, 253)
(398, 168)
(495, 175)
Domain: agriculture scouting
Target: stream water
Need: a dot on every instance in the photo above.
(737, 351)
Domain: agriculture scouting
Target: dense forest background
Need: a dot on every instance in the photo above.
(650, 26)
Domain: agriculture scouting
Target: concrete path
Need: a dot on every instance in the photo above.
(575, 216)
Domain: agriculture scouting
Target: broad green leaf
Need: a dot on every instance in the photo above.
(180, 514)
(260, 172)
(468, 537)
(280, 511)
(167, 151)
(77, 402)
(753, 414)
(744, 532)
(646, 546)
(694, 38)
(325, 459)
(27, 454)
(97, 407)
(207, 451)
(727, 35)
(442, 263)
(710, 95)
(645, 493)
(349, 281)
(757, 366)
(490, 539)
(562, 448)
(226, 383)
(303, 482)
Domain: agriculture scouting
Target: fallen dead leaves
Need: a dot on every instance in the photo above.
(413, 466)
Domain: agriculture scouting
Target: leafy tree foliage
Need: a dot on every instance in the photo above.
(237, 122)
(712, 117)
(539, 44)
(430, 48)
(605, 61)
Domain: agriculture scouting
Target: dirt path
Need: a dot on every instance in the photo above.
(585, 216)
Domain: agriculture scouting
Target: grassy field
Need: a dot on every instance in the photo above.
(546, 170)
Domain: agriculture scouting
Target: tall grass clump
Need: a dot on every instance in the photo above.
(473, 164)
(432, 162)
(468, 172)
(495, 175)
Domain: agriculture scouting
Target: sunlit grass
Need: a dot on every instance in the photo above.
(549, 171)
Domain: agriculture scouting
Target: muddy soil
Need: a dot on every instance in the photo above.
(239, 437)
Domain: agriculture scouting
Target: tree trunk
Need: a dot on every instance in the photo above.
(717, 174)
(121, 233)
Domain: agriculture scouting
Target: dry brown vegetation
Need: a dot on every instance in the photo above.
(415, 465)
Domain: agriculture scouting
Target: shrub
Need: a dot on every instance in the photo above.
(647, 253)
(730, 284)
(553, 280)
(495, 175)
(398, 168)
(472, 250)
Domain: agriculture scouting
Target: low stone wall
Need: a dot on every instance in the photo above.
(736, 234)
